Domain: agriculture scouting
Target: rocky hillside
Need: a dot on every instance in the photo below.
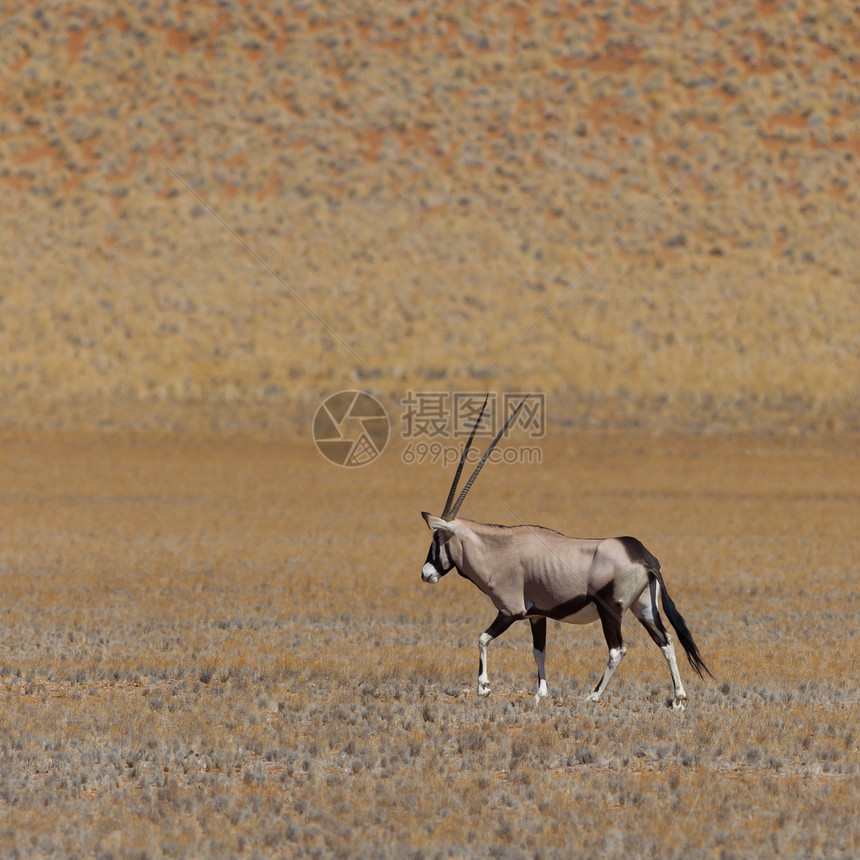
(645, 210)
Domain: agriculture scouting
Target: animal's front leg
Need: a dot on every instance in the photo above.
(501, 623)
(539, 649)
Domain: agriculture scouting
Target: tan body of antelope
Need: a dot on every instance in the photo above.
(537, 573)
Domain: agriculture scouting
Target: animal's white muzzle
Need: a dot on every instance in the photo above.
(429, 573)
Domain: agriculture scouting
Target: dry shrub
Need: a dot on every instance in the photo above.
(157, 281)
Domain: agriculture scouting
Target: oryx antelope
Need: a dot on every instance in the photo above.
(537, 573)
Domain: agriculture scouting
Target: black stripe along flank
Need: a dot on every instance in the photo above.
(563, 610)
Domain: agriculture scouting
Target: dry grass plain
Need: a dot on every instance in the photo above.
(220, 646)
(212, 642)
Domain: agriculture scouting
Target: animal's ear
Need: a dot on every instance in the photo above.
(437, 523)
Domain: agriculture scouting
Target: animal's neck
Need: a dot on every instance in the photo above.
(470, 551)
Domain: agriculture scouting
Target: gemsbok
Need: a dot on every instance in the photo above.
(537, 573)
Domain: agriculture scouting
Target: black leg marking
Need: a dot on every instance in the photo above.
(501, 623)
(539, 647)
(610, 619)
(538, 633)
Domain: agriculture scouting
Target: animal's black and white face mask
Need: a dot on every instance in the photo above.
(439, 560)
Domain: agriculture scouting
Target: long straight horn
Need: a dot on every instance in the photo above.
(453, 512)
(446, 514)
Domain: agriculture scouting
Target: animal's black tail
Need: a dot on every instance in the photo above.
(684, 635)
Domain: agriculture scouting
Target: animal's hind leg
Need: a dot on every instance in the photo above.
(539, 648)
(610, 619)
(645, 609)
(501, 623)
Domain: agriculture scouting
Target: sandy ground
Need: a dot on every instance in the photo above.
(218, 647)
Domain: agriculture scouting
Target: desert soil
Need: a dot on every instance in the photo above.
(223, 648)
